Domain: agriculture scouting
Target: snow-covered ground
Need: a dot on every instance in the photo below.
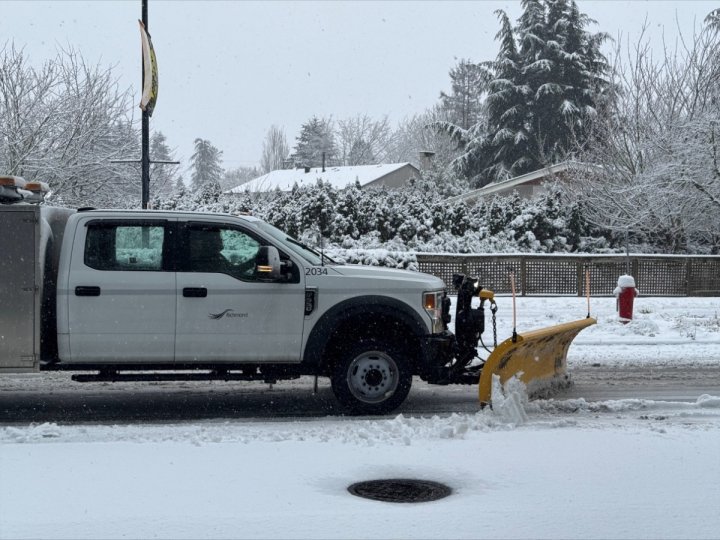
(665, 331)
(570, 468)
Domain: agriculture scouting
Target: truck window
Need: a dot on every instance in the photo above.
(124, 247)
(222, 250)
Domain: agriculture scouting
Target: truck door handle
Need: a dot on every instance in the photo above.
(84, 290)
(195, 292)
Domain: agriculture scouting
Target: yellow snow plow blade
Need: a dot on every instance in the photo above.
(536, 356)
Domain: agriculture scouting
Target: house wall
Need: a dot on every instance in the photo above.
(529, 189)
(396, 178)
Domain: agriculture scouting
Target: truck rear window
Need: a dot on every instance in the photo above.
(124, 247)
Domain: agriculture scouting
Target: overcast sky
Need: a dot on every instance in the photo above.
(228, 70)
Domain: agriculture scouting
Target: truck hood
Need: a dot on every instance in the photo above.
(401, 278)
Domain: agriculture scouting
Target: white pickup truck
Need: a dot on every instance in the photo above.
(155, 295)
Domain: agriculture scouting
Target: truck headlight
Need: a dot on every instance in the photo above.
(433, 305)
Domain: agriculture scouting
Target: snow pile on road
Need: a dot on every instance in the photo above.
(510, 400)
(708, 401)
(580, 405)
(400, 430)
(639, 326)
(511, 410)
(32, 433)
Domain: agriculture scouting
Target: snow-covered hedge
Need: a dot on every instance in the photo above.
(375, 257)
(417, 218)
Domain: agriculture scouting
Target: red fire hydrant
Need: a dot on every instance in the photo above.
(625, 292)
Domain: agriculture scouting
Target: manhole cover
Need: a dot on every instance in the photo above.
(400, 490)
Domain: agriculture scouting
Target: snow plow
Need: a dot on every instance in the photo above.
(538, 358)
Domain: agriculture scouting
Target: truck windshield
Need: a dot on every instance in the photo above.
(297, 247)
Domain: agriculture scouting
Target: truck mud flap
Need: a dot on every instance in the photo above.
(535, 357)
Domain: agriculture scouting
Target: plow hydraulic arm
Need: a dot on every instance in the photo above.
(469, 320)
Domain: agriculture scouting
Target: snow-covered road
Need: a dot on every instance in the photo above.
(55, 398)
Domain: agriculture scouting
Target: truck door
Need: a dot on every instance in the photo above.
(224, 312)
(121, 291)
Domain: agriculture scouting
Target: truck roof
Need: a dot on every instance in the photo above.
(128, 211)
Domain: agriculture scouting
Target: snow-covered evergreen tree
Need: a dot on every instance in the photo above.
(563, 75)
(317, 209)
(206, 169)
(464, 102)
(544, 90)
(509, 140)
(316, 138)
(713, 19)
(347, 214)
(567, 79)
(180, 187)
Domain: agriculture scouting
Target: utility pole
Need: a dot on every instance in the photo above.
(145, 145)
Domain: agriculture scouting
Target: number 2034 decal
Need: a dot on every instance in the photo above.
(316, 271)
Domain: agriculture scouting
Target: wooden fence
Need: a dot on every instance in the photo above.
(655, 275)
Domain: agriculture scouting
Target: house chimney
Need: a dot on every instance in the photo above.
(426, 158)
(323, 162)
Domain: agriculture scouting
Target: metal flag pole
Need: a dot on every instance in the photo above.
(147, 104)
(145, 145)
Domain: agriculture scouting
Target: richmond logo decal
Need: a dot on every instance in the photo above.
(229, 313)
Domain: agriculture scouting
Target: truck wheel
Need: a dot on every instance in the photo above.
(372, 377)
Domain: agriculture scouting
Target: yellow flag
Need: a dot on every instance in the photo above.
(150, 73)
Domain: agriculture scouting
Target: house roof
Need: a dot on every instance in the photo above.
(337, 177)
(527, 178)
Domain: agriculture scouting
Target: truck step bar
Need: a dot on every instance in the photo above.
(214, 375)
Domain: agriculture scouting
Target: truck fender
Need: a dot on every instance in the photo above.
(366, 308)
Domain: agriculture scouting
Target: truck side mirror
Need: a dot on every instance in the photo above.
(267, 264)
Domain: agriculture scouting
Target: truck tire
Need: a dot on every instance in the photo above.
(372, 377)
